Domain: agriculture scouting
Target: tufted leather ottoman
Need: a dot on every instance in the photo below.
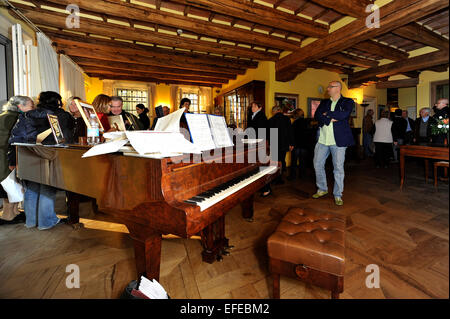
(308, 246)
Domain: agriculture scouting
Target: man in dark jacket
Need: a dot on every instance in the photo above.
(285, 139)
(398, 133)
(422, 127)
(335, 136)
(257, 120)
(132, 123)
(299, 131)
(409, 133)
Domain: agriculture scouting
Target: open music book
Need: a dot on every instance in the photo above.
(208, 131)
(151, 289)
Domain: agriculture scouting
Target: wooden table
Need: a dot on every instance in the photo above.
(424, 151)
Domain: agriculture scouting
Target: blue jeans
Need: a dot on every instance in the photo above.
(39, 206)
(321, 153)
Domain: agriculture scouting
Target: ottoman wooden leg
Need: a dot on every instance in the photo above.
(276, 286)
(334, 295)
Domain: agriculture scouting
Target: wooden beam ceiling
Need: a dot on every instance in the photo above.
(352, 60)
(382, 50)
(418, 33)
(330, 67)
(58, 20)
(65, 39)
(353, 8)
(150, 79)
(417, 63)
(406, 83)
(117, 56)
(200, 27)
(158, 77)
(103, 64)
(262, 15)
(392, 16)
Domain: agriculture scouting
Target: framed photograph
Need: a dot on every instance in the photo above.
(56, 128)
(313, 104)
(86, 110)
(117, 122)
(354, 114)
(287, 102)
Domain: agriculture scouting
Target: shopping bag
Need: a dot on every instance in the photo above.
(13, 188)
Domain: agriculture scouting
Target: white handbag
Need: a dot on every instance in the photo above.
(13, 188)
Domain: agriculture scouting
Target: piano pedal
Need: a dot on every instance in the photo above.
(229, 247)
(249, 220)
(219, 257)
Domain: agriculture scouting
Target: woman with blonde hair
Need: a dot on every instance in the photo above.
(102, 105)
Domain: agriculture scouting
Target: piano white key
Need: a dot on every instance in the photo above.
(231, 190)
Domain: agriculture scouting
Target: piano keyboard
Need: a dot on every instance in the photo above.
(215, 195)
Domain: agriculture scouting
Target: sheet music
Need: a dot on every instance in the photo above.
(145, 142)
(170, 122)
(105, 148)
(200, 131)
(219, 131)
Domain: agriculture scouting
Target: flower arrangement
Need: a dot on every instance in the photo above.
(440, 127)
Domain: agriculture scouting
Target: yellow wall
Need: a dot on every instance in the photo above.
(305, 85)
(163, 96)
(407, 97)
(424, 87)
(94, 87)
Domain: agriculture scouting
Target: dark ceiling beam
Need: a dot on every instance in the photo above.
(353, 8)
(398, 84)
(261, 15)
(412, 64)
(89, 62)
(205, 28)
(417, 33)
(149, 80)
(58, 20)
(382, 50)
(393, 15)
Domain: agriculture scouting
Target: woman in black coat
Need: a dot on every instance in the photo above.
(143, 118)
(39, 202)
(257, 121)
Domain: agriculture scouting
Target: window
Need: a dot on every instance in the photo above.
(131, 98)
(6, 74)
(195, 108)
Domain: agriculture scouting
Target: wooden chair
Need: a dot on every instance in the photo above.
(436, 165)
(309, 246)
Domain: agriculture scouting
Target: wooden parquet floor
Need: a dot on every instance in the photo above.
(405, 233)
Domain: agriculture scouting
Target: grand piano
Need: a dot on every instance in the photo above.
(151, 196)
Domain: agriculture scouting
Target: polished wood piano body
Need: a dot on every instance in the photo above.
(148, 195)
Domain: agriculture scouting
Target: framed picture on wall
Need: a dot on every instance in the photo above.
(287, 102)
(313, 104)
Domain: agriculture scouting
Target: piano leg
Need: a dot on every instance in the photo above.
(214, 241)
(147, 251)
(247, 209)
(73, 204)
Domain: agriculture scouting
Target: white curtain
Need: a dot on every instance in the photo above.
(71, 79)
(35, 76)
(19, 61)
(48, 64)
(205, 99)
